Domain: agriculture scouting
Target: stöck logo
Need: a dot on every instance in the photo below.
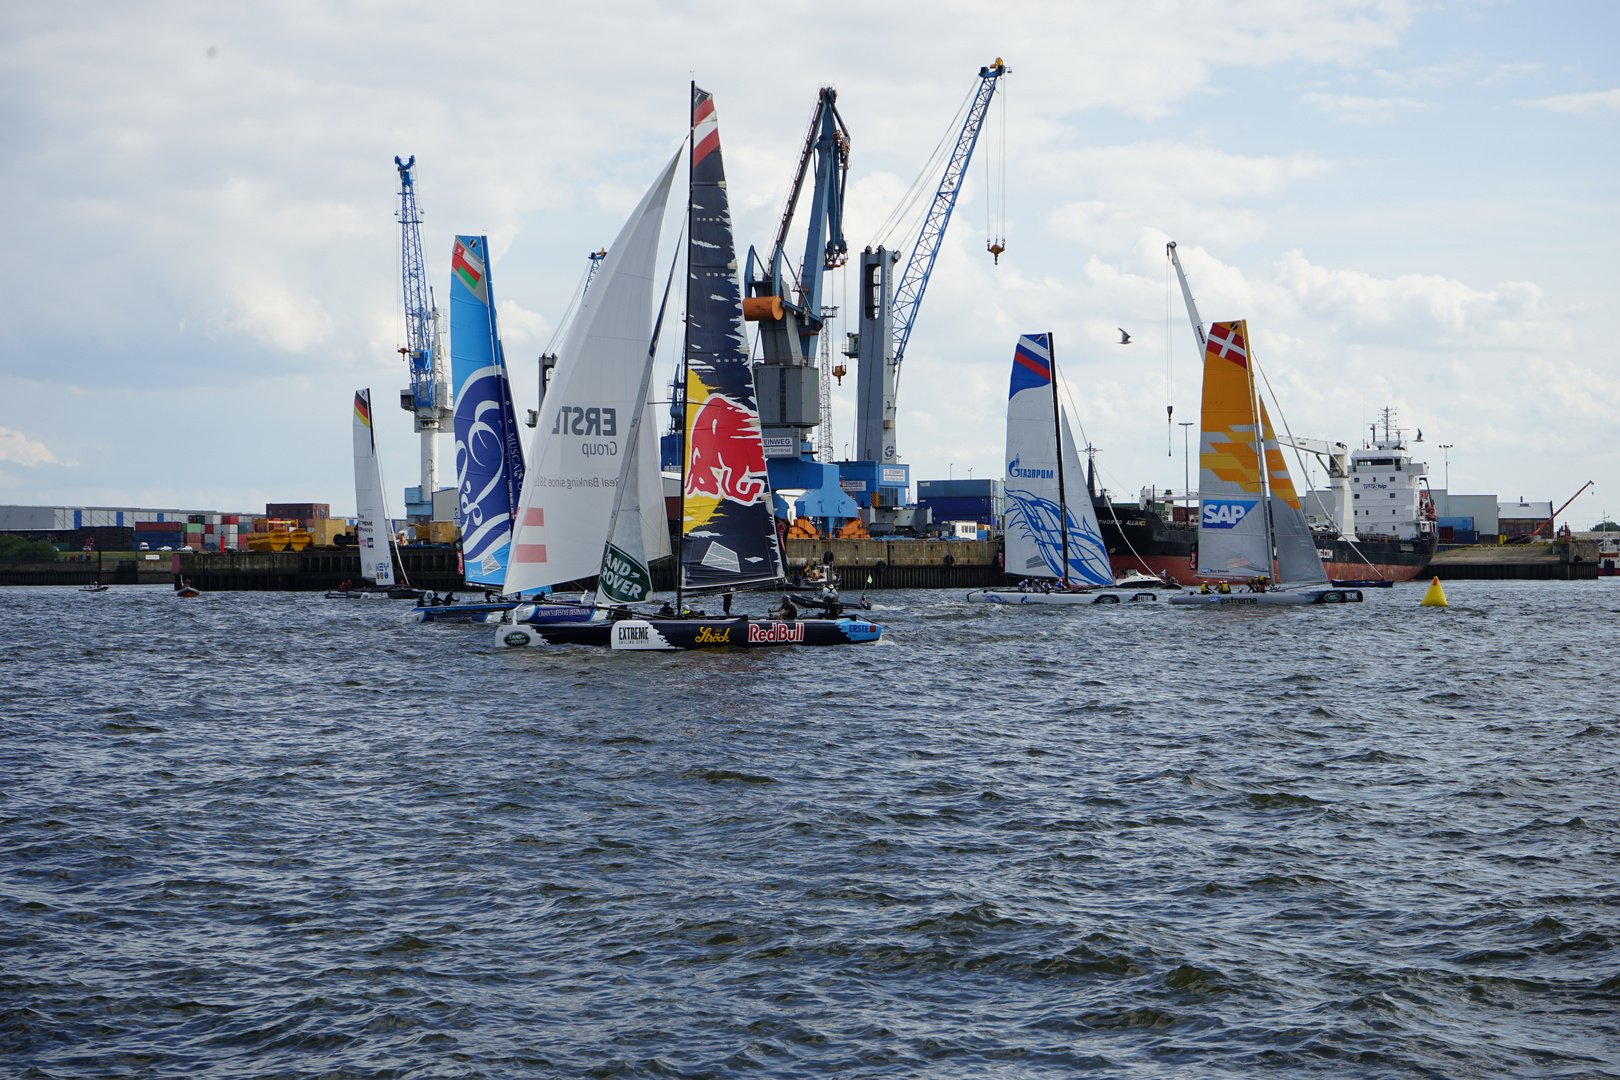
(1029, 474)
(1224, 514)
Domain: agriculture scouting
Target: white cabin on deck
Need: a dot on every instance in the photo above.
(1386, 492)
(1382, 491)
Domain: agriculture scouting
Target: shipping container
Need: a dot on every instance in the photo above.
(959, 489)
(963, 508)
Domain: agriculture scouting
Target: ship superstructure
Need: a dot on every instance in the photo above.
(1388, 490)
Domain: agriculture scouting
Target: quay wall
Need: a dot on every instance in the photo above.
(1575, 560)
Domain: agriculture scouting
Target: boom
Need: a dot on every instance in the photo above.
(1186, 293)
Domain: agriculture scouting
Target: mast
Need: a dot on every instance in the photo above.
(686, 355)
(1057, 434)
(1260, 457)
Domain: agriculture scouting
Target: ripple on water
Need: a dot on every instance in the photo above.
(263, 835)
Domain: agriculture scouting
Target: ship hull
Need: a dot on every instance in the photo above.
(1145, 540)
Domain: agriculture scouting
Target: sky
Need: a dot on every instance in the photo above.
(1413, 203)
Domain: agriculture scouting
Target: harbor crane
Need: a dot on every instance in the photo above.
(428, 399)
(888, 313)
(787, 305)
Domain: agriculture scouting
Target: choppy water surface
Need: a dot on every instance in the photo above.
(270, 835)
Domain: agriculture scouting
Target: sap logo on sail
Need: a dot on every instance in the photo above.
(1029, 474)
(1222, 514)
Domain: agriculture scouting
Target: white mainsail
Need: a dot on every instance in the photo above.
(575, 459)
(371, 524)
(1035, 524)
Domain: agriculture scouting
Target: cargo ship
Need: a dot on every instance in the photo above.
(1379, 488)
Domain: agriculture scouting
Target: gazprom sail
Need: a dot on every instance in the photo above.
(489, 451)
(1049, 511)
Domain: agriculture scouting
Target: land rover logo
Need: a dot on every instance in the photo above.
(517, 637)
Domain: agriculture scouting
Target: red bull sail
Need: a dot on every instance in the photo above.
(728, 535)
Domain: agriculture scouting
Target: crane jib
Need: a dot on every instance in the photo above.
(908, 295)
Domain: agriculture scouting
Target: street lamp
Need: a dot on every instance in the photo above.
(1446, 447)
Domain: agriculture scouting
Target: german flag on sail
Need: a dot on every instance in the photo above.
(362, 408)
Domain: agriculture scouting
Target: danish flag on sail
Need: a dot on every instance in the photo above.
(1226, 342)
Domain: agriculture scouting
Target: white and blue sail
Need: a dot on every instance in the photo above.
(1046, 500)
(373, 529)
(489, 449)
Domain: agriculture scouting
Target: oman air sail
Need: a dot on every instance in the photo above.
(489, 452)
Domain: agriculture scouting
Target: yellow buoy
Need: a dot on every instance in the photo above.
(1436, 596)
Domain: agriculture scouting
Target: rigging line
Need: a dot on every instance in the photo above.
(1001, 223)
(568, 312)
(1120, 525)
(934, 162)
(1330, 515)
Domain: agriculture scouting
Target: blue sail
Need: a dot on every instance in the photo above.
(489, 452)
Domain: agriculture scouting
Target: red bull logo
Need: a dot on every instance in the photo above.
(727, 455)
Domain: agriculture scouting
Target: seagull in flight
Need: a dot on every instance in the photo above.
(1124, 338)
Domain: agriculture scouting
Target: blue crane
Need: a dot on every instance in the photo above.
(888, 312)
(786, 301)
(826, 147)
(428, 398)
(908, 296)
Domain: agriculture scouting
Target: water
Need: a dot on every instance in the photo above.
(268, 835)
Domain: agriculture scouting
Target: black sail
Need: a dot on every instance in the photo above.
(728, 532)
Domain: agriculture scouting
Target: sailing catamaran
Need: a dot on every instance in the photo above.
(1250, 526)
(489, 451)
(728, 540)
(372, 527)
(1052, 533)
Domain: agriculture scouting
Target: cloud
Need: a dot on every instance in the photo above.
(1353, 109)
(21, 450)
(521, 328)
(1422, 303)
(1592, 101)
(1195, 190)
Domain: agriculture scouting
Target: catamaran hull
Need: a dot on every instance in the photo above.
(676, 635)
(1013, 598)
(1268, 599)
(462, 613)
(684, 634)
(1141, 539)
